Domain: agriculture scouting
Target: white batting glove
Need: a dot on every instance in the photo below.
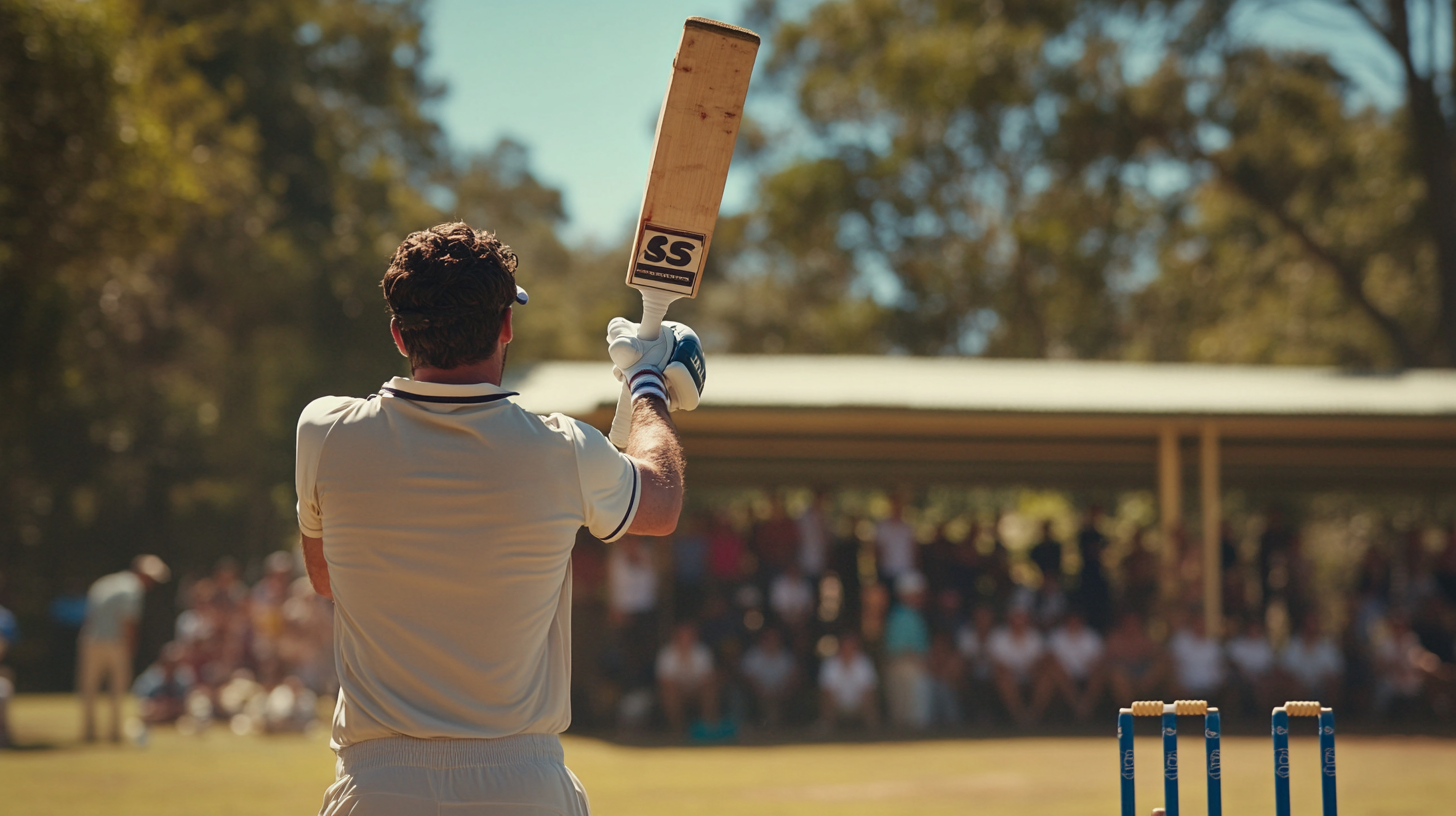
(639, 363)
(686, 370)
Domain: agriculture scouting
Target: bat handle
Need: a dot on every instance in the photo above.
(654, 308)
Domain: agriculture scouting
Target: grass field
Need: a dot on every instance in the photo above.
(220, 773)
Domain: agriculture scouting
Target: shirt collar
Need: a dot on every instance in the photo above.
(418, 391)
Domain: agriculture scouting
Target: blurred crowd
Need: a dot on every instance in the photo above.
(825, 620)
(815, 620)
(255, 657)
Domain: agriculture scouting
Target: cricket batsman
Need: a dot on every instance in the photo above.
(440, 517)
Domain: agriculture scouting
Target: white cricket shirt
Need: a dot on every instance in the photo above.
(447, 515)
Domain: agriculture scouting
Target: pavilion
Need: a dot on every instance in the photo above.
(849, 420)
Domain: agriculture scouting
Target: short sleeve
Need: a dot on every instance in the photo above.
(130, 606)
(313, 429)
(611, 487)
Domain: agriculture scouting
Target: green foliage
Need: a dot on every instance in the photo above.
(1101, 180)
(196, 203)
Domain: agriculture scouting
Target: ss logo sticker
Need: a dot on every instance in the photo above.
(668, 259)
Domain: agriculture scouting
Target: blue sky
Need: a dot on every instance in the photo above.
(579, 83)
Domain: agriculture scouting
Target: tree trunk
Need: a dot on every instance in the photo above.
(1435, 157)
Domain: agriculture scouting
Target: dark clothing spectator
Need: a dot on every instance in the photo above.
(1047, 554)
(689, 570)
(1094, 591)
(776, 542)
(725, 553)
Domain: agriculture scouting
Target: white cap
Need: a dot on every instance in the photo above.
(152, 567)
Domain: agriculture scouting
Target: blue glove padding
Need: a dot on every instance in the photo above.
(672, 367)
(687, 369)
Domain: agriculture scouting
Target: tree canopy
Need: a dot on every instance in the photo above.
(1103, 180)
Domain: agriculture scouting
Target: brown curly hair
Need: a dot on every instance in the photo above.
(448, 288)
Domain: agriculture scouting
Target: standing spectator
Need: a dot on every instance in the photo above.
(9, 633)
(265, 608)
(791, 597)
(632, 605)
(907, 643)
(844, 562)
(937, 562)
(1445, 567)
(1252, 659)
(967, 568)
(848, 683)
(814, 537)
(1094, 593)
(689, 567)
(946, 671)
(725, 552)
(1313, 662)
(895, 543)
(776, 540)
(772, 675)
(685, 676)
(946, 617)
(109, 637)
(1076, 667)
(1140, 576)
(1278, 547)
(1047, 553)
(1136, 667)
(1017, 651)
(1198, 669)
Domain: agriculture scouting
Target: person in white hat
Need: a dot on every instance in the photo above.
(109, 637)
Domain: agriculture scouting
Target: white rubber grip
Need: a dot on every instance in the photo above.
(654, 307)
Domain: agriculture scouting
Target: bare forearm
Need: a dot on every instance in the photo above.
(655, 446)
(318, 568)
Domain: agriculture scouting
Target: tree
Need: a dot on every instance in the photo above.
(1377, 220)
(1103, 180)
(941, 179)
(196, 204)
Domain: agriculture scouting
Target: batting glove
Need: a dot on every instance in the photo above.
(672, 367)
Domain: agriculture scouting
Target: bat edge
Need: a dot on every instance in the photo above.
(725, 29)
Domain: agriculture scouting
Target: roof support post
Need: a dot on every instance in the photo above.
(1212, 515)
(1169, 497)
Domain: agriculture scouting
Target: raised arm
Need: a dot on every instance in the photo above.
(655, 447)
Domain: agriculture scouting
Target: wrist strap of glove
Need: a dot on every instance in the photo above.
(648, 383)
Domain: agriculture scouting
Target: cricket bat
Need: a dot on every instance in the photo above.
(691, 151)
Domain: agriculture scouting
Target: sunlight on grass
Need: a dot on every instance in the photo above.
(221, 773)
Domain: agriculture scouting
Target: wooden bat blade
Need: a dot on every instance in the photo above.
(691, 152)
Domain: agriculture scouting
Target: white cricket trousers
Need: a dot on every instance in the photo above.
(99, 660)
(524, 775)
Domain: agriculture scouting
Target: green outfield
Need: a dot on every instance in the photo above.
(221, 773)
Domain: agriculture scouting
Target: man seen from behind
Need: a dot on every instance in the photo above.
(440, 517)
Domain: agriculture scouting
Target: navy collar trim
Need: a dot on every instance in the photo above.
(473, 399)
